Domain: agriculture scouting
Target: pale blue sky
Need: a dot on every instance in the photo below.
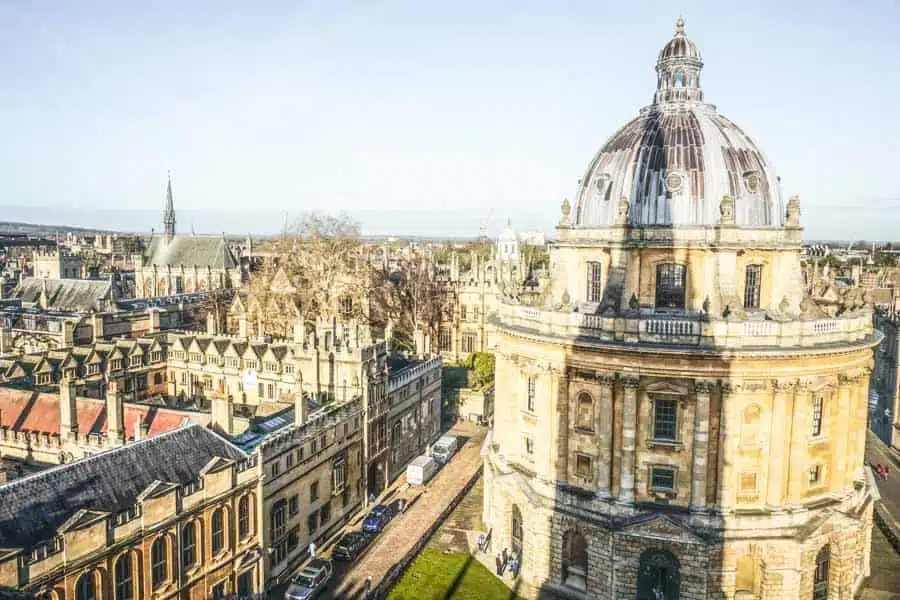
(273, 105)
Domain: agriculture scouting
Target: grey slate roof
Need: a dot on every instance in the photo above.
(190, 251)
(79, 295)
(34, 507)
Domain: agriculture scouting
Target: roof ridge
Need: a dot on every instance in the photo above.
(105, 453)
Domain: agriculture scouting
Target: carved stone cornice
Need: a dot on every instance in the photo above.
(729, 388)
(804, 386)
(630, 381)
(854, 376)
(704, 386)
(606, 379)
(784, 386)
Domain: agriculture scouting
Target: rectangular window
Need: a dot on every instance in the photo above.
(314, 491)
(818, 402)
(337, 476)
(594, 281)
(662, 479)
(529, 444)
(752, 285)
(670, 286)
(312, 522)
(276, 468)
(288, 461)
(468, 342)
(665, 419)
(532, 389)
(293, 505)
(748, 483)
(462, 312)
(583, 466)
(325, 513)
(815, 475)
(135, 361)
(444, 340)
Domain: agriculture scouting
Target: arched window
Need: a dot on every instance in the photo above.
(679, 79)
(244, 517)
(218, 530)
(159, 568)
(670, 285)
(86, 587)
(820, 577)
(658, 576)
(575, 560)
(189, 545)
(124, 581)
(750, 426)
(584, 412)
(516, 530)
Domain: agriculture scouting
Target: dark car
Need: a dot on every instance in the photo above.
(351, 545)
(377, 519)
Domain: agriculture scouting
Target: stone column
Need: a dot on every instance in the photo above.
(605, 417)
(842, 429)
(561, 380)
(629, 432)
(702, 390)
(799, 454)
(779, 441)
(728, 442)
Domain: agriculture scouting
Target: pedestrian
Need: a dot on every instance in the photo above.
(312, 550)
(514, 565)
(499, 566)
(368, 587)
(481, 542)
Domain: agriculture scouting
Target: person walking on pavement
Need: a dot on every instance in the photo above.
(368, 587)
(481, 542)
(312, 550)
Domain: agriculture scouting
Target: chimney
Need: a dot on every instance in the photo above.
(68, 412)
(141, 429)
(115, 413)
(300, 408)
(223, 415)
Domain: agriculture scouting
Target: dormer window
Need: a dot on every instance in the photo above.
(115, 364)
(156, 356)
(135, 361)
(42, 379)
(129, 514)
(196, 357)
(670, 288)
(191, 487)
(271, 367)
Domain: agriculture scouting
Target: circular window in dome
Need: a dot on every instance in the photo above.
(674, 181)
(751, 180)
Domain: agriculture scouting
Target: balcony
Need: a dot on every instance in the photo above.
(685, 329)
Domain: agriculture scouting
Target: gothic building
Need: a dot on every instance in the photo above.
(176, 264)
(680, 419)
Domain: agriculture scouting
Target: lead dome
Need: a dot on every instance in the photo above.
(678, 158)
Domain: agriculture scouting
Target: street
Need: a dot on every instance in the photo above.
(424, 506)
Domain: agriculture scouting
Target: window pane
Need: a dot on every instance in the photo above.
(664, 421)
(752, 283)
(594, 281)
(670, 286)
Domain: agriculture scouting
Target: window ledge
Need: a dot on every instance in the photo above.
(673, 444)
(583, 430)
(818, 440)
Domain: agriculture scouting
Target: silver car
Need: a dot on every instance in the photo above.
(309, 583)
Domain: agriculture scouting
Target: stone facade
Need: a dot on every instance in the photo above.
(191, 531)
(885, 380)
(679, 418)
(54, 264)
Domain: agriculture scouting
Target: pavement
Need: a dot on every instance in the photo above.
(877, 452)
(884, 582)
(424, 506)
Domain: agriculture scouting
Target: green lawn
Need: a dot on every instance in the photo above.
(456, 576)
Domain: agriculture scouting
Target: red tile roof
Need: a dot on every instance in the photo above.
(26, 410)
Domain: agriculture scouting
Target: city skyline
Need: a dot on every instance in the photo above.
(398, 109)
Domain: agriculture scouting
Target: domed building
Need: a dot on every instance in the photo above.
(677, 418)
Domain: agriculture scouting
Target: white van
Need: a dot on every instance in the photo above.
(420, 470)
(444, 449)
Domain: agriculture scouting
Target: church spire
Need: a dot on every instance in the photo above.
(169, 212)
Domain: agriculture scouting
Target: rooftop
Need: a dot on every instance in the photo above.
(33, 508)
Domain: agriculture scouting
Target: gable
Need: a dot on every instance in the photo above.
(662, 527)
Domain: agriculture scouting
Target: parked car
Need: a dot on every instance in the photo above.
(309, 583)
(420, 470)
(444, 449)
(351, 545)
(377, 518)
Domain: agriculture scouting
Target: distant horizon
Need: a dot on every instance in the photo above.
(492, 231)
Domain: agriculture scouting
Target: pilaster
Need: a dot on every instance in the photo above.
(605, 417)
(779, 441)
(629, 432)
(841, 435)
(798, 455)
(702, 390)
(728, 441)
(561, 381)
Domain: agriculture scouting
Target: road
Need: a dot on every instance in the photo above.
(424, 506)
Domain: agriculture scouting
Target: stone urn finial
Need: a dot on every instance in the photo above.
(566, 299)
(792, 217)
(726, 211)
(566, 210)
(784, 305)
(706, 305)
(633, 302)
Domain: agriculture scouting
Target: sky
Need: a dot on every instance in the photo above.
(421, 117)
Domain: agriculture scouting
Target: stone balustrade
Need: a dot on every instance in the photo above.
(687, 329)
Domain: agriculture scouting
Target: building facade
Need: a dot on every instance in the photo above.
(884, 382)
(100, 528)
(680, 419)
(55, 264)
